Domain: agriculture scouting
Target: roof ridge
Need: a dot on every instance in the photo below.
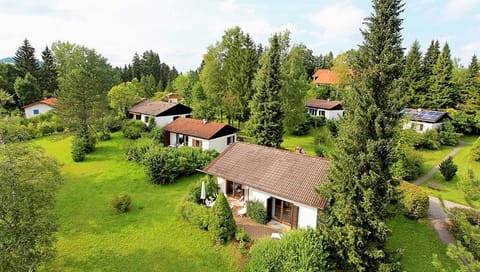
(286, 151)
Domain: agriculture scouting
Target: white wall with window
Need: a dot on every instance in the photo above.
(36, 110)
(421, 127)
(219, 144)
(328, 114)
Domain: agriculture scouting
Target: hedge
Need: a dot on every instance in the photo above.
(415, 201)
(257, 212)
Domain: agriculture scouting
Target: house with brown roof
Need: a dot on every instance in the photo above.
(39, 107)
(173, 98)
(330, 109)
(422, 120)
(283, 181)
(162, 112)
(325, 77)
(199, 133)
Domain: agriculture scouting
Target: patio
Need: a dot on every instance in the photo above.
(254, 229)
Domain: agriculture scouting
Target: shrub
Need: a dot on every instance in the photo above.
(475, 152)
(332, 127)
(470, 186)
(47, 128)
(155, 133)
(242, 237)
(298, 250)
(465, 226)
(414, 201)
(78, 149)
(257, 212)
(429, 140)
(194, 213)
(408, 164)
(447, 135)
(121, 203)
(135, 151)
(211, 190)
(133, 129)
(448, 169)
(222, 225)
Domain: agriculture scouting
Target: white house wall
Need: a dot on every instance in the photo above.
(42, 108)
(222, 185)
(333, 114)
(220, 143)
(307, 216)
(426, 126)
(257, 195)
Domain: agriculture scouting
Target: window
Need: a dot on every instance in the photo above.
(230, 139)
(36, 111)
(197, 143)
(417, 126)
(321, 113)
(282, 210)
(146, 119)
(138, 117)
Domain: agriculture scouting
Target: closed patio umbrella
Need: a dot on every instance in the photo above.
(202, 192)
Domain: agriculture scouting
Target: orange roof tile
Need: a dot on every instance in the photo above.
(47, 101)
(325, 76)
(197, 128)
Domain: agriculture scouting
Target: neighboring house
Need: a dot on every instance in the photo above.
(199, 133)
(39, 107)
(283, 181)
(173, 98)
(325, 77)
(163, 112)
(330, 109)
(422, 120)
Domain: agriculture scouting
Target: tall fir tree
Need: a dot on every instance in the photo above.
(25, 61)
(442, 92)
(431, 57)
(413, 79)
(267, 115)
(471, 94)
(361, 187)
(48, 74)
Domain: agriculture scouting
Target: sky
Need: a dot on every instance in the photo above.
(181, 31)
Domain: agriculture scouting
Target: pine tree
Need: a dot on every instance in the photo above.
(413, 79)
(443, 94)
(222, 225)
(48, 74)
(25, 61)
(361, 186)
(431, 57)
(267, 115)
(471, 95)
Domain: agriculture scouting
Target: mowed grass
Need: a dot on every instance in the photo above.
(151, 237)
(307, 141)
(450, 190)
(418, 242)
(433, 157)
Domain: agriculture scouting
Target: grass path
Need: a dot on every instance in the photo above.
(151, 237)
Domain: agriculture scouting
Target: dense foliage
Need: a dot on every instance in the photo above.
(448, 168)
(133, 129)
(465, 226)
(222, 225)
(257, 211)
(475, 151)
(121, 203)
(298, 250)
(414, 201)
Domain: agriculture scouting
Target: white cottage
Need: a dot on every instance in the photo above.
(283, 181)
(330, 109)
(199, 133)
(39, 107)
(162, 112)
(422, 120)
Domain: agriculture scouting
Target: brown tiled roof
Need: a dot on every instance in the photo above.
(325, 76)
(282, 173)
(151, 107)
(174, 95)
(47, 101)
(323, 104)
(198, 128)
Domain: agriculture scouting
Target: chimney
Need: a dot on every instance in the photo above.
(204, 121)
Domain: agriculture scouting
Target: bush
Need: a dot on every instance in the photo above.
(332, 127)
(121, 203)
(194, 213)
(408, 165)
(257, 212)
(448, 169)
(78, 149)
(414, 201)
(475, 152)
(465, 226)
(298, 250)
(222, 225)
(47, 128)
(447, 135)
(429, 140)
(135, 151)
(211, 190)
(133, 129)
(242, 237)
(470, 186)
(155, 133)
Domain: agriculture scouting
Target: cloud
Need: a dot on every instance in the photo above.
(457, 9)
(337, 23)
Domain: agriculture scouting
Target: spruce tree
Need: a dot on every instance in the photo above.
(442, 91)
(361, 187)
(431, 57)
(413, 79)
(471, 95)
(48, 74)
(267, 115)
(25, 61)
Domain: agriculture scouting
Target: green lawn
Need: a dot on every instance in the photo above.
(307, 141)
(433, 157)
(151, 237)
(419, 242)
(450, 189)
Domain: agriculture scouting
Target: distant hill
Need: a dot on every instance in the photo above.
(7, 60)
(12, 61)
